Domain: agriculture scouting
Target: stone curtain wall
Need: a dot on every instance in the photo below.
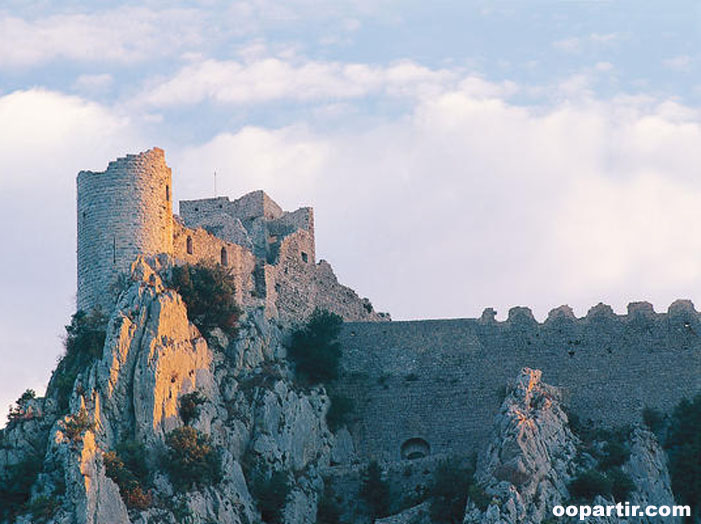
(442, 380)
(123, 212)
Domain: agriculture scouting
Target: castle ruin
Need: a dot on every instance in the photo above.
(419, 387)
(127, 210)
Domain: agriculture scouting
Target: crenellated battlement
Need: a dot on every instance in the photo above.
(433, 381)
(635, 312)
(440, 380)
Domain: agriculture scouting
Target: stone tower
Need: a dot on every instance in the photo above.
(123, 212)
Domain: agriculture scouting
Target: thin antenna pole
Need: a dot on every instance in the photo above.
(215, 183)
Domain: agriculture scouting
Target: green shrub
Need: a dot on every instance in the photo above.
(653, 419)
(84, 342)
(589, 484)
(133, 454)
(19, 409)
(43, 508)
(683, 445)
(271, 492)
(129, 481)
(77, 424)
(477, 495)
(615, 454)
(449, 492)
(327, 510)
(190, 406)
(621, 484)
(29, 394)
(86, 333)
(375, 491)
(315, 349)
(338, 414)
(208, 291)
(191, 459)
(15, 488)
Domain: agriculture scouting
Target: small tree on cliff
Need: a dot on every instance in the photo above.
(315, 349)
(375, 491)
(191, 460)
(209, 293)
(683, 446)
(85, 338)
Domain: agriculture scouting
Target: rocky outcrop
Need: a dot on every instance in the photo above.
(254, 414)
(260, 421)
(533, 456)
(530, 459)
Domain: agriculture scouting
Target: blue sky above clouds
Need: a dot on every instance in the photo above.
(459, 155)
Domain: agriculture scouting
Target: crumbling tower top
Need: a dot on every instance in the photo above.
(123, 212)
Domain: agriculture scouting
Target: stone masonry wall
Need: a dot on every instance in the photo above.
(286, 275)
(208, 248)
(123, 212)
(442, 380)
(295, 286)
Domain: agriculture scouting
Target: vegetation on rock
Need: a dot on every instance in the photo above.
(453, 482)
(85, 338)
(271, 491)
(374, 490)
(77, 424)
(589, 484)
(190, 406)
(683, 445)
(127, 468)
(208, 291)
(611, 449)
(339, 411)
(328, 510)
(19, 410)
(15, 486)
(654, 419)
(191, 460)
(315, 350)
(43, 508)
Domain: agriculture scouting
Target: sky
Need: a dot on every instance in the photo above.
(458, 154)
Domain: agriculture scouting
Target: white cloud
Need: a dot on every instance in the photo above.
(569, 45)
(48, 139)
(122, 35)
(267, 79)
(472, 202)
(244, 160)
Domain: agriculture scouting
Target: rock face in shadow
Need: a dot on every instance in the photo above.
(533, 456)
(530, 457)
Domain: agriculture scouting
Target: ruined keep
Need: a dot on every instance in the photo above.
(419, 388)
(123, 212)
(127, 210)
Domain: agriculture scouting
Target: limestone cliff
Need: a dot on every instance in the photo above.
(251, 411)
(533, 457)
(275, 457)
